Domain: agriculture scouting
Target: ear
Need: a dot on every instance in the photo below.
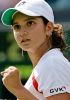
(49, 28)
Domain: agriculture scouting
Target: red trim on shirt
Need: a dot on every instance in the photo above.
(35, 84)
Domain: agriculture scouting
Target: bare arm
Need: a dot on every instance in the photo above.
(12, 82)
(23, 94)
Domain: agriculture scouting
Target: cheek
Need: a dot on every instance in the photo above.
(16, 36)
(39, 36)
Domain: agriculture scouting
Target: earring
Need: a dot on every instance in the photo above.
(22, 53)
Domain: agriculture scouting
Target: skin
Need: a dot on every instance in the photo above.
(32, 36)
(31, 29)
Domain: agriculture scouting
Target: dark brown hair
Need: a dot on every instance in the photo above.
(56, 40)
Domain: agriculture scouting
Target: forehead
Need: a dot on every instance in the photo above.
(19, 15)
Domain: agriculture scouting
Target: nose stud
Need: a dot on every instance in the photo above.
(25, 33)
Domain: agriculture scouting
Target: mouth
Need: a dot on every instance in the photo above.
(25, 40)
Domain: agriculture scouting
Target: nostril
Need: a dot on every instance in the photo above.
(22, 41)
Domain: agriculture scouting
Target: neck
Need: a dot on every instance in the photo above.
(35, 56)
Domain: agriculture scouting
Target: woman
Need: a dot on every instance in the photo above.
(33, 27)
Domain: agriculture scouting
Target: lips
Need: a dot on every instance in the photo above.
(25, 40)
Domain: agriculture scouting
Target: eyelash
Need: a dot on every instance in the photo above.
(29, 23)
(18, 27)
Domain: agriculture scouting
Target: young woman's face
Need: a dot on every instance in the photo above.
(29, 32)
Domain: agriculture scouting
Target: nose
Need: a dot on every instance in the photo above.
(23, 31)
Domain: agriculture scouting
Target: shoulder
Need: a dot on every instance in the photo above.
(53, 64)
(51, 59)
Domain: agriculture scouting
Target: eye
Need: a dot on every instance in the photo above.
(30, 23)
(16, 27)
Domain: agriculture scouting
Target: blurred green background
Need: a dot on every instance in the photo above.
(11, 54)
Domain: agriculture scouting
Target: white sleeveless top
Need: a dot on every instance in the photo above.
(50, 76)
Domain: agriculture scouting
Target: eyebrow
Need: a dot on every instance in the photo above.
(26, 19)
(31, 18)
